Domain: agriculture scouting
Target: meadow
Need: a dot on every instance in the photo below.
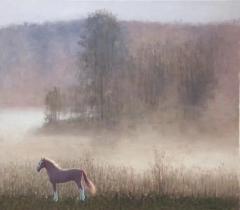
(158, 187)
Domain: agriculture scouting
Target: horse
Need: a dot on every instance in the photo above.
(57, 175)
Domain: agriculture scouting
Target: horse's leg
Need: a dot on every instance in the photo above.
(55, 194)
(81, 190)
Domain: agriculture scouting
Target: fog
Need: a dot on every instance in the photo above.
(170, 84)
(16, 123)
(20, 142)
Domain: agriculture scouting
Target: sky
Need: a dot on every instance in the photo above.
(191, 11)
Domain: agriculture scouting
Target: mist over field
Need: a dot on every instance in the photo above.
(153, 104)
(38, 57)
(137, 149)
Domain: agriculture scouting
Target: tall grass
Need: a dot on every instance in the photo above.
(18, 178)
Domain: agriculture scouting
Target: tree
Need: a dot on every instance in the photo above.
(102, 56)
(197, 78)
(53, 105)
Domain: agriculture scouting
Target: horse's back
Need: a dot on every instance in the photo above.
(65, 175)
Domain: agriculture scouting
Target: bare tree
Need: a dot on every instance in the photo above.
(101, 58)
(197, 78)
(53, 105)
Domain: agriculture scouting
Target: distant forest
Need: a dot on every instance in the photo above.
(115, 70)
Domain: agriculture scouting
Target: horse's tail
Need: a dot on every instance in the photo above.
(89, 183)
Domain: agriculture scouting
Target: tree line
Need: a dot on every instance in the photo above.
(124, 76)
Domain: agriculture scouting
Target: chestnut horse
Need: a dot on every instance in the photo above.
(57, 175)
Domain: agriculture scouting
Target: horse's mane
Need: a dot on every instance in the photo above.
(53, 162)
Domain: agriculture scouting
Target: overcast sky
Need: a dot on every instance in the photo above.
(20, 11)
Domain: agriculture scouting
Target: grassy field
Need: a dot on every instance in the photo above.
(159, 187)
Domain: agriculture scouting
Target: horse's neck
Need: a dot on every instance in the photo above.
(51, 167)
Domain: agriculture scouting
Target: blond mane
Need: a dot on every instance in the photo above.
(53, 162)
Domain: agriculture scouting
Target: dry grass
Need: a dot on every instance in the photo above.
(21, 187)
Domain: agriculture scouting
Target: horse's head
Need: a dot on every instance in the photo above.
(41, 164)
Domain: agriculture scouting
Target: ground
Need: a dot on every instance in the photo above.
(118, 203)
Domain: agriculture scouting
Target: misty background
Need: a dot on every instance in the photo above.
(175, 88)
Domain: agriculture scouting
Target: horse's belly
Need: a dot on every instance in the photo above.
(66, 176)
(63, 179)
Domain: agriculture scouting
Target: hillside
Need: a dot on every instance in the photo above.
(34, 58)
